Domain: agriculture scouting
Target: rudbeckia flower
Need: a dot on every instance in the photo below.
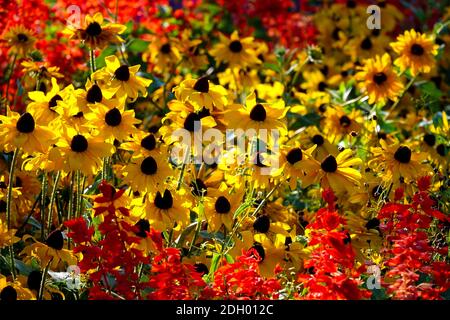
(96, 33)
(338, 124)
(336, 172)
(202, 93)
(7, 237)
(237, 52)
(121, 80)
(163, 54)
(51, 253)
(44, 106)
(379, 80)
(20, 40)
(257, 116)
(112, 121)
(24, 132)
(147, 174)
(416, 51)
(12, 291)
(80, 151)
(398, 160)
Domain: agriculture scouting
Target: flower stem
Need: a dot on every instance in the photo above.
(44, 275)
(410, 83)
(92, 60)
(52, 200)
(43, 200)
(8, 81)
(9, 204)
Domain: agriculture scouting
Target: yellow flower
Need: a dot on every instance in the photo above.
(237, 52)
(416, 51)
(7, 237)
(398, 161)
(163, 54)
(80, 151)
(23, 131)
(336, 172)
(121, 80)
(113, 121)
(338, 124)
(12, 291)
(20, 40)
(379, 80)
(95, 33)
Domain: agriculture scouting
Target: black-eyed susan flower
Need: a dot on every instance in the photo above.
(121, 80)
(51, 253)
(257, 116)
(112, 121)
(219, 209)
(336, 172)
(96, 33)
(236, 51)
(80, 151)
(13, 290)
(147, 174)
(24, 132)
(163, 54)
(202, 93)
(416, 51)
(43, 105)
(398, 160)
(379, 80)
(7, 237)
(338, 124)
(20, 40)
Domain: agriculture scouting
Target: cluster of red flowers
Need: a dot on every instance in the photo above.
(113, 258)
(330, 269)
(412, 271)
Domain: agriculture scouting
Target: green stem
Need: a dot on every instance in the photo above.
(9, 204)
(410, 83)
(183, 167)
(92, 60)
(44, 275)
(43, 199)
(8, 80)
(52, 200)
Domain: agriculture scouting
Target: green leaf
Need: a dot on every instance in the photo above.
(214, 265)
(272, 66)
(430, 89)
(138, 45)
(100, 60)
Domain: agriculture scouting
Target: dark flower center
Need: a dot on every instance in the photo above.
(22, 37)
(258, 113)
(34, 280)
(294, 155)
(441, 150)
(165, 48)
(335, 34)
(376, 32)
(366, 44)
(122, 73)
(417, 49)
(235, 46)
(198, 188)
(55, 240)
(260, 250)
(204, 113)
(26, 123)
(2, 206)
(430, 139)
(94, 29)
(201, 268)
(143, 227)
(351, 4)
(149, 166)
(323, 107)
(53, 101)
(80, 114)
(222, 205)
(329, 164)
(202, 85)
(373, 224)
(379, 78)
(318, 139)
(376, 191)
(189, 122)
(79, 143)
(113, 117)
(403, 154)
(8, 294)
(165, 201)
(149, 142)
(322, 86)
(94, 94)
(262, 224)
(18, 183)
(382, 135)
(345, 121)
